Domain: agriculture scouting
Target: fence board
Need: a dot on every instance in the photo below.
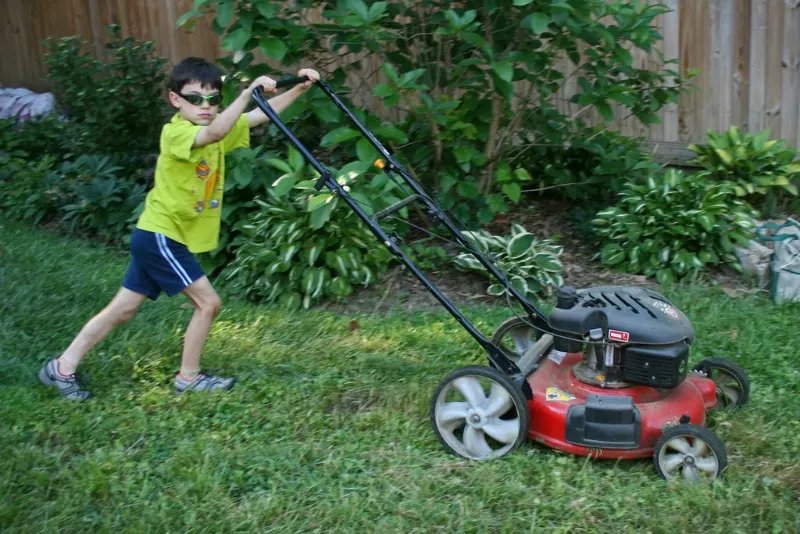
(790, 95)
(756, 118)
(747, 51)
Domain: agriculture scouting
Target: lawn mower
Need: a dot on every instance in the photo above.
(604, 375)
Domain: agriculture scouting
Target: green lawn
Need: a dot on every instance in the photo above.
(328, 430)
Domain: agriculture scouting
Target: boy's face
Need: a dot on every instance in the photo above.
(201, 113)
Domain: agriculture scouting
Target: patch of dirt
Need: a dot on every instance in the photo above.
(399, 289)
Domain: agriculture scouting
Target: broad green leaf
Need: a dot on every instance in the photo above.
(605, 110)
(225, 10)
(724, 156)
(504, 70)
(365, 151)
(496, 290)
(284, 184)
(296, 159)
(317, 201)
(384, 90)
(519, 245)
(707, 221)
(539, 22)
(274, 48)
(339, 135)
(665, 276)
(320, 216)
(236, 40)
(359, 8)
(280, 165)
(513, 192)
(468, 189)
(340, 287)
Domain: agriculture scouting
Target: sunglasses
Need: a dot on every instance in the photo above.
(197, 100)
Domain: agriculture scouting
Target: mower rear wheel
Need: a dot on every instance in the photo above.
(732, 384)
(691, 453)
(478, 413)
(514, 336)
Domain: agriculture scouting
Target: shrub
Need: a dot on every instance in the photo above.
(286, 257)
(34, 189)
(531, 265)
(674, 225)
(754, 164)
(294, 245)
(474, 80)
(119, 102)
(103, 202)
(751, 161)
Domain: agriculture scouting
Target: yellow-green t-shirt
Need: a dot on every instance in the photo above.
(186, 202)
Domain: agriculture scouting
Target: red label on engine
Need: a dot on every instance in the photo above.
(616, 335)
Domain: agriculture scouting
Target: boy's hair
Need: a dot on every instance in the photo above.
(195, 69)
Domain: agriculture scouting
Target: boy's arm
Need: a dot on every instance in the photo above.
(283, 101)
(224, 122)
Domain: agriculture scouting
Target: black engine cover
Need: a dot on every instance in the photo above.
(645, 316)
(658, 366)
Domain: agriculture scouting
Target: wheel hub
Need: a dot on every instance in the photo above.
(474, 419)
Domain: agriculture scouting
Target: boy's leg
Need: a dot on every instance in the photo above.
(60, 373)
(206, 306)
(121, 309)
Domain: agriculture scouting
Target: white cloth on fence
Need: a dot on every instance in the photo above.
(23, 104)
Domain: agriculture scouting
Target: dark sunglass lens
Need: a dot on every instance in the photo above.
(195, 100)
(215, 100)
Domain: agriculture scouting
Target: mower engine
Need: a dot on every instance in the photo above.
(636, 336)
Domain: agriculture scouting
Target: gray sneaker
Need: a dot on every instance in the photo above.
(68, 387)
(203, 382)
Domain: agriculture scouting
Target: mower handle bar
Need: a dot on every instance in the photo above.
(391, 166)
(290, 82)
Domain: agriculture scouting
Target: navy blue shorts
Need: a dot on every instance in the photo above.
(158, 264)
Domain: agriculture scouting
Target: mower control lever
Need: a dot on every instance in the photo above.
(396, 206)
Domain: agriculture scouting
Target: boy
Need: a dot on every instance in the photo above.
(181, 217)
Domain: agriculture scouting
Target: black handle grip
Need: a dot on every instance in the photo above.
(289, 82)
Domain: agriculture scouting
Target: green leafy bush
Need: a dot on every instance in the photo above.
(286, 256)
(297, 247)
(103, 202)
(592, 167)
(674, 225)
(753, 162)
(34, 189)
(531, 265)
(473, 81)
(117, 103)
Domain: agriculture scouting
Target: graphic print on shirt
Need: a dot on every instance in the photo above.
(205, 173)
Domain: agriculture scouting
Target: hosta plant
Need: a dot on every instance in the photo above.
(753, 162)
(299, 248)
(674, 225)
(531, 265)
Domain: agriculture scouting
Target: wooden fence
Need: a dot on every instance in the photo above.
(747, 52)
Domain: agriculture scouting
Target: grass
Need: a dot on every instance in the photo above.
(328, 429)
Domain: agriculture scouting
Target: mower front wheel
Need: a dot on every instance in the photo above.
(479, 414)
(691, 453)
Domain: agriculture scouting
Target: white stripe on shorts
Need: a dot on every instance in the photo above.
(167, 254)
